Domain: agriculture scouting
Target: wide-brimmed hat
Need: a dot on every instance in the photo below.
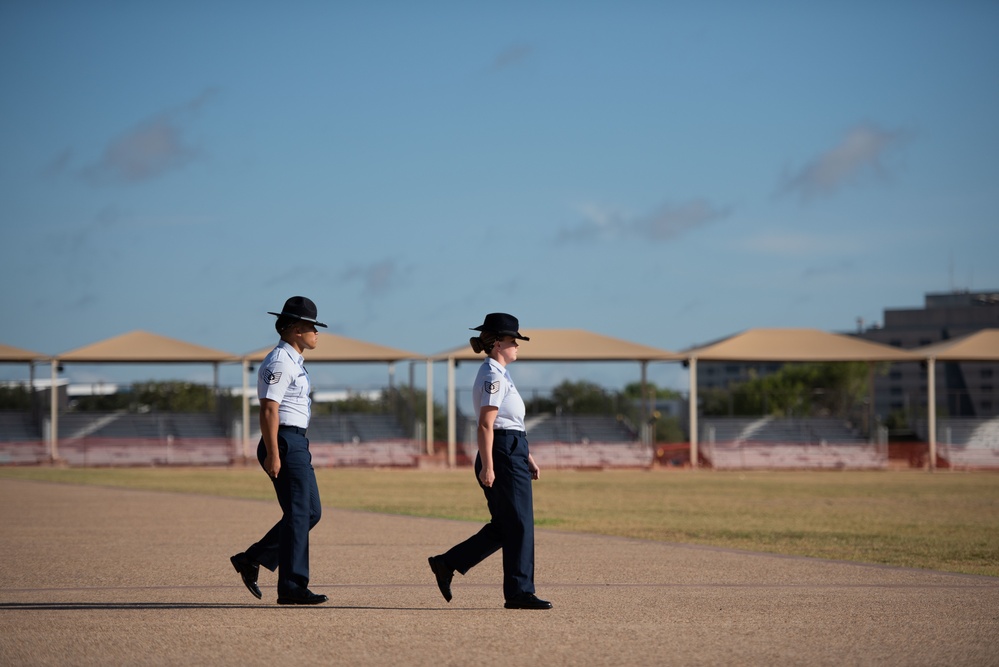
(501, 324)
(300, 308)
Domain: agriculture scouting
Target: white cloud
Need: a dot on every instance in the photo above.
(375, 278)
(857, 156)
(150, 149)
(141, 154)
(664, 224)
(795, 244)
(511, 56)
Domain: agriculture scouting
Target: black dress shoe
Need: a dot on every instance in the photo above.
(527, 601)
(444, 575)
(304, 596)
(248, 570)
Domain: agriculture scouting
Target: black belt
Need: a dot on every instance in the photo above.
(508, 431)
(297, 429)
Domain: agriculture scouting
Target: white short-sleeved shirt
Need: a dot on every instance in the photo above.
(494, 387)
(282, 378)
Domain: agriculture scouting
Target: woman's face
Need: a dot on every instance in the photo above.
(306, 336)
(505, 350)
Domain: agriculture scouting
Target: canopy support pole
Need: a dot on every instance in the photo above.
(54, 414)
(452, 436)
(692, 411)
(931, 409)
(245, 445)
(430, 407)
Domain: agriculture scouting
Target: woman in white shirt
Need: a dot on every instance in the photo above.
(283, 388)
(504, 468)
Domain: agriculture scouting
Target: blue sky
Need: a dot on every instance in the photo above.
(664, 172)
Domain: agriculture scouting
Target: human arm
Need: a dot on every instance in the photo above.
(533, 467)
(269, 432)
(484, 436)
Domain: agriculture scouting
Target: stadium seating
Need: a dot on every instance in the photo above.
(573, 441)
(968, 442)
(354, 427)
(967, 431)
(142, 452)
(592, 455)
(729, 456)
(771, 443)
(578, 429)
(21, 440)
(385, 454)
(18, 427)
(770, 429)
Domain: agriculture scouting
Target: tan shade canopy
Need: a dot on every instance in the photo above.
(332, 347)
(8, 353)
(570, 345)
(980, 346)
(797, 345)
(145, 347)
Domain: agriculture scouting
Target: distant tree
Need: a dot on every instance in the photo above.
(15, 398)
(354, 402)
(173, 396)
(667, 429)
(120, 400)
(813, 389)
(633, 390)
(161, 396)
(540, 404)
(584, 398)
(417, 402)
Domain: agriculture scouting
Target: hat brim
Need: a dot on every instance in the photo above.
(515, 334)
(299, 317)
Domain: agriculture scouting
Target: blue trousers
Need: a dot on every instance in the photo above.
(285, 547)
(511, 526)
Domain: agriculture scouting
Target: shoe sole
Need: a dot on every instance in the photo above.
(302, 602)
(507, 606)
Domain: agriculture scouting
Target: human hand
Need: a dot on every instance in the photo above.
(535, 470)
(486, 477)
(272, 465)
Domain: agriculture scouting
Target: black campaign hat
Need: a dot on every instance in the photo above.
(501, 324)
(300, 308)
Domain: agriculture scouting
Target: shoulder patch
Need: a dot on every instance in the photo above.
(268, 377)
(491, 387)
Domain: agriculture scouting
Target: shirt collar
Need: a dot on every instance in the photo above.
(286, 346)
(497, 365)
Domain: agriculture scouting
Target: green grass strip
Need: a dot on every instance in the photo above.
(943, 521)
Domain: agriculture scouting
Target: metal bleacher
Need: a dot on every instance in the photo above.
(968, 442)
(361, 439)
(140, 425)
(20, 439)
(18, 427)
(354, 427)
(772, 443)
(135, 438)
(575, 441)
(581, 429)
(770, 429)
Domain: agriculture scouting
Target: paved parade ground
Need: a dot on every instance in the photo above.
(101, 576)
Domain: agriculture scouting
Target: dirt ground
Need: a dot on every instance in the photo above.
(98, 576)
